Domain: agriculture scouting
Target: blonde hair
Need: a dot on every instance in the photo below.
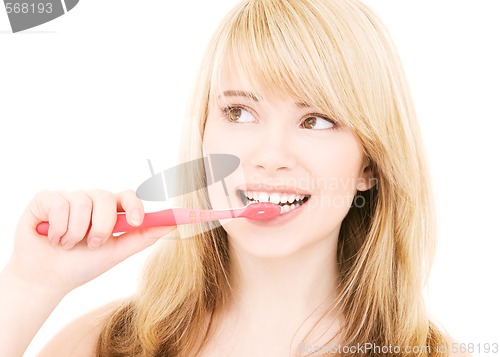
(335, 55)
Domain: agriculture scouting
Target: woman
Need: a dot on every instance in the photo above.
(310, 95)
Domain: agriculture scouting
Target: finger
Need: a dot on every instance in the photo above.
(58, 216)
(128, 202)
(80, 210)
(103, 217)
(52, 207)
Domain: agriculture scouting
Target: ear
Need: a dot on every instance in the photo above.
(367, 178)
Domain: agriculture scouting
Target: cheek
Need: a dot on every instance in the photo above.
(216, 139)
(210, 138)
(335, 174)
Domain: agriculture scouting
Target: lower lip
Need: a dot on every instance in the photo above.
(282, 218)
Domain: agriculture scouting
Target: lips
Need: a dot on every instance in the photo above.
(287, 200)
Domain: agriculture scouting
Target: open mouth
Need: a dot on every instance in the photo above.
(287, 201)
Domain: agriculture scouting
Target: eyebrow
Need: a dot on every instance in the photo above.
(241, 93)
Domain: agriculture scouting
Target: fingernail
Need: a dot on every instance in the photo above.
(54, 242)
(135, 217)
(95, 242)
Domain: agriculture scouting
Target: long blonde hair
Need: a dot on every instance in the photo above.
(336, 55)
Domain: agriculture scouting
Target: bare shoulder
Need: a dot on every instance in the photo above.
(79, 337)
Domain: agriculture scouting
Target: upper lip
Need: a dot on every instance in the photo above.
(268, 188)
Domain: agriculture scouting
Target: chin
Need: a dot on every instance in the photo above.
(267, 246)
(266, 251)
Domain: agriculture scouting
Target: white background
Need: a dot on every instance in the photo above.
(86, 99)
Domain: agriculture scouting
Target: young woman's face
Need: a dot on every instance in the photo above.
(289, 152)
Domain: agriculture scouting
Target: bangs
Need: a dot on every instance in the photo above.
(281, 52)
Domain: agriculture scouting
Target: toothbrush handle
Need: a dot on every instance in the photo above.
(152, 219)
(168, 217)
(172, 217)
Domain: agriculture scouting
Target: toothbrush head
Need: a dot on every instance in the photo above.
(261, 211)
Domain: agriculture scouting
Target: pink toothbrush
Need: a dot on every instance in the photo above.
(178, 216)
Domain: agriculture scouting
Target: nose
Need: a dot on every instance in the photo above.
(273, 149)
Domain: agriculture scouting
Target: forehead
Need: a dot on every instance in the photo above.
(236, 79)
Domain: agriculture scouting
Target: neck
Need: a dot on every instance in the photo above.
(280, 301)
(274, 287)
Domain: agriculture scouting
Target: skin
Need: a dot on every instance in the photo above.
(43, 269)
(278, 267)
(278, 149)
(285, 264)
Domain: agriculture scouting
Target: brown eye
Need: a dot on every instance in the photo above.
(310, 123)
(234, 114)
(238, 115)
(318, 123)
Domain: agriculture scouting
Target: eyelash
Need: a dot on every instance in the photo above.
(225, 113)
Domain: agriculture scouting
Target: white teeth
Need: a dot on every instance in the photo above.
(263, 197)
(274, 198)
(288, 208)
(285, 209)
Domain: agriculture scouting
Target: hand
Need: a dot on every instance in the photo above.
(79, 245)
